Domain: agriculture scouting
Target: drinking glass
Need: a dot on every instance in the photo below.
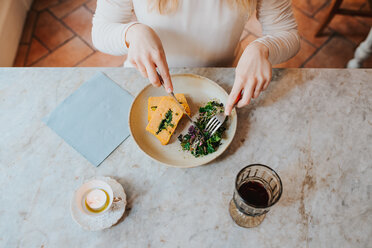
(242, 211)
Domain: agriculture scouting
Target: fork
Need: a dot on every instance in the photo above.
(217, 120)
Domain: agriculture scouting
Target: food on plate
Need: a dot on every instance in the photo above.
(197, 143)
(153, 102)
(165, 119)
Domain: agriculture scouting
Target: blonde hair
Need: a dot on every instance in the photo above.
(165, 7)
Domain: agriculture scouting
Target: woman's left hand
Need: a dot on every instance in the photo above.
(252, 75)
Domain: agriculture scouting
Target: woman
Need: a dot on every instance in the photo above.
(197, 33)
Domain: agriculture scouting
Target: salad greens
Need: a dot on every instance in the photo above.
(167, 121)
(197, 143)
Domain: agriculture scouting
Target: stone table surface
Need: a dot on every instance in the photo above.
(313, 126)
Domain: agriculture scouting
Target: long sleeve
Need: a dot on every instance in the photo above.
(279, 29)
(110, 22)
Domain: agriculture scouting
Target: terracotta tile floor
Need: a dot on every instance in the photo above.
(58, 33)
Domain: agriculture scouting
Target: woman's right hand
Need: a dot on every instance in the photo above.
(146, 53)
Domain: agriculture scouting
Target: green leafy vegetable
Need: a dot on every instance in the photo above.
(197, 143)
(167, 121)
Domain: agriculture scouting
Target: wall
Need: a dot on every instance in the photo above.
(12, 17)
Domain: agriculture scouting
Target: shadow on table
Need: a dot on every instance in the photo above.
(282, 82)
(277, 90)
(130, 199)
(242, 131)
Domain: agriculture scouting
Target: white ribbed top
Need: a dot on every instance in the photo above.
(200, 33)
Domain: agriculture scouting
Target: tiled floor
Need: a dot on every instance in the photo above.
(58, 33)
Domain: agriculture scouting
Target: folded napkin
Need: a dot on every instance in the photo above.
(93, 119)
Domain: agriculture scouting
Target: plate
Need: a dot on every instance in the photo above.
(198, 91)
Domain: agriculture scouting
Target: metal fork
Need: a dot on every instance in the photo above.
(216, 121)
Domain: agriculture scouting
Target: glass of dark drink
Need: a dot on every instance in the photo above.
(257, 189)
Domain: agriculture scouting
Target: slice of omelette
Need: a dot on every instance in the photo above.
(165, 119)
(154, 101)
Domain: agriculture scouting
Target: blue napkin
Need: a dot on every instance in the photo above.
(93, 119)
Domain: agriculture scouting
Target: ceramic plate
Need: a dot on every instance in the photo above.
(198, 91)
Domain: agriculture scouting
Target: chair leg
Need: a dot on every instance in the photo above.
(330, 16)
(363, 51)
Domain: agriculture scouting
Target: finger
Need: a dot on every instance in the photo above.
(268, 80)
(162, 65)
(134, 66)
(237, 88)
(141, 68)
(247, 95)
(131, 60)
(153, 76)
(258, 88)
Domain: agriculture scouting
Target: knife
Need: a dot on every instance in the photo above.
(179, 105)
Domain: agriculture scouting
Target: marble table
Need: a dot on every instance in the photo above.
(314, 127)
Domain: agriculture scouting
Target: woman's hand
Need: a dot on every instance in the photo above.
(252, 75)
(146, 54)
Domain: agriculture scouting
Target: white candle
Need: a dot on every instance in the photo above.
(96, 199)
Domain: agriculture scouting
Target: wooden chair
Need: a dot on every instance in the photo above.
(337, 10)
(363, 51)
